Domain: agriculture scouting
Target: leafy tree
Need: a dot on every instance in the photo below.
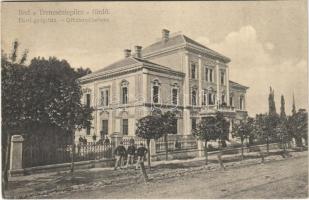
(54, 98)
(82, 72)
(243, 130)
(149, 127)
(13, 108)
(169, 126)
(205, 131)
(221, 128)
(298, 126)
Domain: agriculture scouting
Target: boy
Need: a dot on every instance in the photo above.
(141, 152)
(120, 153)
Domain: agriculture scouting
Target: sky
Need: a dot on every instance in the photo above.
(266, 40)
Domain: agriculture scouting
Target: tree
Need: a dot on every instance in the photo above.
(243, 130)
(169, 126)
(149, 127)
(298, 126)
(82, 72)
(54, 97)
(282, 109)
(13, 89)
(271, 103)
(221, 128)
(205, 131)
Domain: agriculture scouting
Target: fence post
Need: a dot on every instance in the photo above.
(200, 147)
(152, 149)
(116, 138)
(16, 155)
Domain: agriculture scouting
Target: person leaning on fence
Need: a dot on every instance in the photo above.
(141, 152)
(131, 153)
(120, 153)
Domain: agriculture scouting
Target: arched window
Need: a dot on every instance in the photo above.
(175, 94)
(124, 92)
(193, 97)
(155, 91)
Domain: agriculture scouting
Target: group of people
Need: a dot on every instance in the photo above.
(121, 153)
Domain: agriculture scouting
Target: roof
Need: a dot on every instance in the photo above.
(127, 64)
(179, 40)
(234, 84)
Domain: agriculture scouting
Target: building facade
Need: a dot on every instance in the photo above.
(175, 73)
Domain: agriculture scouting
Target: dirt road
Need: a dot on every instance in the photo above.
(278, 179)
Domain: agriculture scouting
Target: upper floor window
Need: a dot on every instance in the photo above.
(193, 71)
(193, 97)
(88, 100)
(124, 92)
(204, 99)
(104, 97)
(231, 101)
(124, 95)
(155, 91)
(241, 103)
(223, 99)
(209, 74)
(211, 98)
(175, 96)
(222, 77)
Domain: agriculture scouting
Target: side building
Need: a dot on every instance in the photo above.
(175, 73)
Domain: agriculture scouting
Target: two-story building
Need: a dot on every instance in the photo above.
(175, 73)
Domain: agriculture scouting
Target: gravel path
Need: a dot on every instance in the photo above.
(277, 178)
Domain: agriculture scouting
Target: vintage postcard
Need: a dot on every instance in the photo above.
(187, 100)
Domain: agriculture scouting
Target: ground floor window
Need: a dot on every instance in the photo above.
(193, 124)
(104, 128)
(174, 129)
(125, 127)
(88, 130)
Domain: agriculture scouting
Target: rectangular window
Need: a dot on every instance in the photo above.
(223, 99)
(174, 131)
(104, 97)
(88, 130)
(88, 100)
(174, 96)
(125, 127)
(206, 74)
(193, 98)
(104, 128)
(193, 121)
(155, 95)
(222, 78)
(193, 71)
(231, 101)
(210, 75)
(241, 103)
(124, 95)
(210, 101)
(204, 97)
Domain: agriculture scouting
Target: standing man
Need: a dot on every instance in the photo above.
(131, 153)
(120, 153)
(141, 152)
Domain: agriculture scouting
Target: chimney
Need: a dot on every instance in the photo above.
(127, 53)
(165, 35)
(138, 51)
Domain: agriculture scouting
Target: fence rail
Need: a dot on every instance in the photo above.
(176, 143)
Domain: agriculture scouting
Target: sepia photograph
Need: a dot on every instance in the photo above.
(154, 100)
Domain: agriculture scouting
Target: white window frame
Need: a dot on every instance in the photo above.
(175, 87)
(124, 84)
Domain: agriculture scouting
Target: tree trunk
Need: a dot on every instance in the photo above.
(73, 152)
(206, 153)
(148, 147)
(166, 146)
(6, 164)
(242, 149)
